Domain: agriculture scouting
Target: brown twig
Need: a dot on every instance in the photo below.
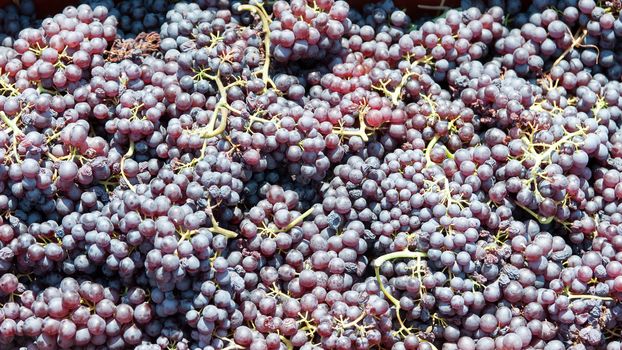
(143, 45)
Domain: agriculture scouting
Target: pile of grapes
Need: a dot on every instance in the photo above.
(235, 175)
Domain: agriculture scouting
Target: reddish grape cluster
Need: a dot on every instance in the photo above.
(223, 175)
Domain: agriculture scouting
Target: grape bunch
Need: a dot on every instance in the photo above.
(308, 30)
(253, 175)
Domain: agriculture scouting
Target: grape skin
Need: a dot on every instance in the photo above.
(309, 175)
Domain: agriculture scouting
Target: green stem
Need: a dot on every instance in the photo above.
(222, 106)
(587, 296)
(395, 95)
(216, 227)
(130, 152)
(384, 290)
(360, 132)
(539, 158)
(448, 154)
(575, 43)
(406, 254)
(297, 220)
(541, 219)
(8, 87)
(11, 124)
(265, 23)
(355, 321)
(428, 150)
(287, 343)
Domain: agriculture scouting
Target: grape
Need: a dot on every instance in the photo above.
(303, 174)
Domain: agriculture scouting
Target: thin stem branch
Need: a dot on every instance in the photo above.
(265, 23)
(130, 153)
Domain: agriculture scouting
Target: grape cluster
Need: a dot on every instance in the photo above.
(14, 19)
(302, 29)
(135, 17)
(309, 175)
